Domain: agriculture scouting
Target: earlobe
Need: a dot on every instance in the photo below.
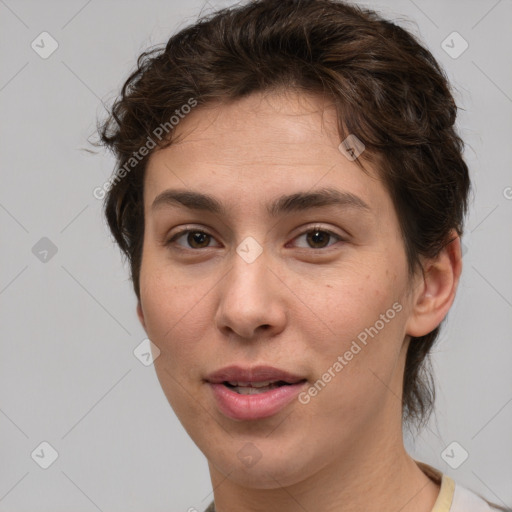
(436, 293)
(140, 314)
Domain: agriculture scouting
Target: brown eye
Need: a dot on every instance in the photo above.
(318, 238)
(195, 239)
(199, 238)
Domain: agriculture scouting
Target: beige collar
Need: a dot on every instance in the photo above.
(445, 496)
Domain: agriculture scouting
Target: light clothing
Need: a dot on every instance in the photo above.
(454, 497)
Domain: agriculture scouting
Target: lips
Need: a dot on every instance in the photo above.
(253, 393)
(256, 375)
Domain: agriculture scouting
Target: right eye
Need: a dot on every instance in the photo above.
(194, 237)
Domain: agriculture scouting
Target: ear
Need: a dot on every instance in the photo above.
(140, 314)
(435, 291)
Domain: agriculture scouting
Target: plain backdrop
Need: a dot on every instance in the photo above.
(68, 373)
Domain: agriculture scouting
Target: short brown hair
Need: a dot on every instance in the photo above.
(387, 88)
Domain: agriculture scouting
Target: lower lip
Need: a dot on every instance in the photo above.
(254, 407)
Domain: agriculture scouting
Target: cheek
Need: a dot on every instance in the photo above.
(357, 354)
(350, 306)
(173, 313)
(175, 322)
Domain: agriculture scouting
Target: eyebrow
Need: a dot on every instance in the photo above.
(299, 201)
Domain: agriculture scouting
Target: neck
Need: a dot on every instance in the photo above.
(369, 476)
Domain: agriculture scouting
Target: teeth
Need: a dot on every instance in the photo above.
(252, 384)
(254, 391)
(262, 384)
(253, 388)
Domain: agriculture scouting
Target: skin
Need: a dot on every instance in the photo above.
(297, 307)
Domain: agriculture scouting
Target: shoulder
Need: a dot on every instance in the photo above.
(465, 500)
(455, 497)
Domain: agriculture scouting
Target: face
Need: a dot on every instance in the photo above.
(315, 285)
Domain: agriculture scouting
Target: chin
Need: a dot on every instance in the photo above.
(268, 475)
(262, 463)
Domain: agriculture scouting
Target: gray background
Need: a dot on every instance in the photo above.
(68, 375)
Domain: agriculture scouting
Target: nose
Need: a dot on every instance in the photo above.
(251, 300)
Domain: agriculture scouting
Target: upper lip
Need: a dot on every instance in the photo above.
(256, 374)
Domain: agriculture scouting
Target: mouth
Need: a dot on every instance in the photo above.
(257, 376)
(255, 388)
(253, 393)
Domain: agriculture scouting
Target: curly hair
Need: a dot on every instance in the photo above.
(387, 89)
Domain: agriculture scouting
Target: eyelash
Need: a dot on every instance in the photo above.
(179, 234)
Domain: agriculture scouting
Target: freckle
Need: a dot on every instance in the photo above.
(329, 285)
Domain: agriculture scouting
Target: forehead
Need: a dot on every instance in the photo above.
(260, 127)
(255, 147)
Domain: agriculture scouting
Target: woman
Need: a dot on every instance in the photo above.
(290, 194)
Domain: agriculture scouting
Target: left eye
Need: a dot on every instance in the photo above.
(318, 236)
(198, 239)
